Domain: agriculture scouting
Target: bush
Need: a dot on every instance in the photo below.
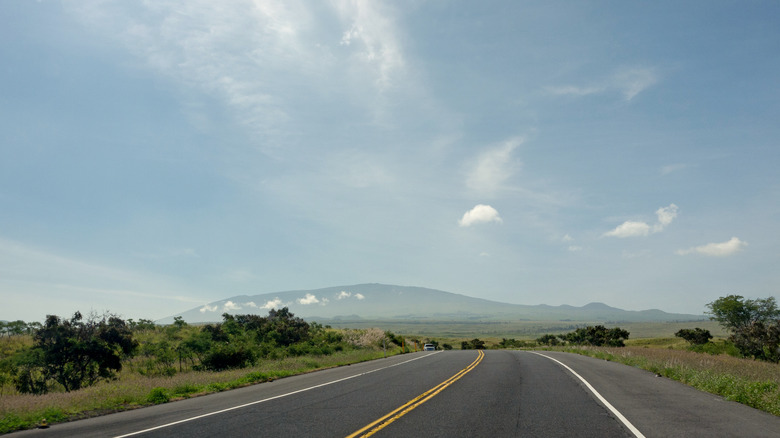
(228, 356)
(695, 336)
(474, 344)
(597, 336)
(158, 395)
(548, 339)
(715, 348)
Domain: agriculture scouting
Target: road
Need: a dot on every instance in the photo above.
(496, 393)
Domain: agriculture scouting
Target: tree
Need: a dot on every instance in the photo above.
(285, 328)
(13, 328)
(759, 340)
(74, 353)
(754, 324)
(734, 312)
(548, 339)
(696, 336)
(597, 336)
(142, 325)
(474, 344)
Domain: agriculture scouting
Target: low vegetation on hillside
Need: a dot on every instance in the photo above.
(71, 368)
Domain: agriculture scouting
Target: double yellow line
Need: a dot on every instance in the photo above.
(404, 409)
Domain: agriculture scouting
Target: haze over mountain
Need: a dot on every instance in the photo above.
(380, 301)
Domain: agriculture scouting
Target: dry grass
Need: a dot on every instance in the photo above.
(131, 390)
(370, 337)
(750, 382)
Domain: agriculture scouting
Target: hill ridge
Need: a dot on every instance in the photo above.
(386, 301)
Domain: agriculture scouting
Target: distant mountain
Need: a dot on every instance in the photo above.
(380, 301)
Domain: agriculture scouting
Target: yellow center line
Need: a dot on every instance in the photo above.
(399, 412)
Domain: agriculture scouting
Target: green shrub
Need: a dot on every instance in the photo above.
(228, 356)
(696, 336)
(597, 336)
(187, 389)
(474, 344)
(716, 348)
(158, 395)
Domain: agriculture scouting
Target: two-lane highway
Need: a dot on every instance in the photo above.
(447, 394)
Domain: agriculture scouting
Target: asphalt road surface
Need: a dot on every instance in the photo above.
(496, 393)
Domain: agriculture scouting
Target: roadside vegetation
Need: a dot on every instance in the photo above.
(67, 369)
(747, 381)
(743, 368)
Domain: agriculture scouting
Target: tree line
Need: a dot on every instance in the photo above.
(19, 327)
(69, 354)
(597, 336)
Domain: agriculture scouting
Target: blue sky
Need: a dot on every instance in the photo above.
(157, 156)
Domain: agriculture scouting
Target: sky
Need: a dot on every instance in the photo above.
(156, 155)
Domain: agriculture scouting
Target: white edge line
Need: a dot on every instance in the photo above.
(609, 406)
(267, 399)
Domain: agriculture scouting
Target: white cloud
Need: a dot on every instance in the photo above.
(250, 304)
(346, 38)
(723, 249)
(308, 299)
(665, 217)
(632, 81)
(373, 36)
(255, 55)
(229, 305)
(208, 308)
(574, 248)
(493, 168)
(638, 228)
(629, 229)
(272, 304)
(479, 214)
(344, 295)
(628, 81)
